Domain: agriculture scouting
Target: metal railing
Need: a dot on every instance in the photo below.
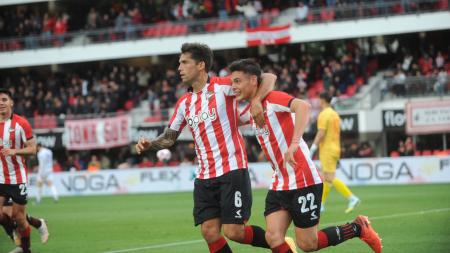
(355, 10)
(413, 86)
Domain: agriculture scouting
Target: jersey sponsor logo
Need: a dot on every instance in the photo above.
(261, 131)
(195, 120)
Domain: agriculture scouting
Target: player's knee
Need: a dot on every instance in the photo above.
(210, 233)
(234, 232)
(307, 245)
(274, 238)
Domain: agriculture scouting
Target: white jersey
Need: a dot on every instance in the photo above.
(45, 159)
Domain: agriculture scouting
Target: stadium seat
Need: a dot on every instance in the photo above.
(394, 153)
(417, 153)
(310, 17)
(426, 152)
(443, 4)
(351, 90)
(210, 26)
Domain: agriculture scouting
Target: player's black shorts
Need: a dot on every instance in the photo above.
(7, 202)
(303, 204)
(228, 197)
(17, 192)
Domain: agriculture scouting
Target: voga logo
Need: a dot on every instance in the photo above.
(201, 117)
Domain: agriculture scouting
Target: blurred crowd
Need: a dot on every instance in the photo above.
(123, 18)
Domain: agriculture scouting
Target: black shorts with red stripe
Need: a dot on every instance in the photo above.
(228, 197)
(16, 193)
(302, 204)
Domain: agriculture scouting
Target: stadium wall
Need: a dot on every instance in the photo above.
(372, 171)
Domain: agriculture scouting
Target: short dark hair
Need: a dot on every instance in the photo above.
(199, 52)
(7, 92)
(248, 66)
(325, 96)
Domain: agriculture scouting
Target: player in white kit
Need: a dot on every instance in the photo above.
(45, 172)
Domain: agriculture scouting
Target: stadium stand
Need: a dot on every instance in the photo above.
(98, 89)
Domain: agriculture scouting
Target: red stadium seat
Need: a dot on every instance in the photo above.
(211, 26)
(417, 153)
(395, 153)
(426, 152)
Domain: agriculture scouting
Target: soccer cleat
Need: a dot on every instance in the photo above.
(43, 231)
(368, 234)
(291, 244)
(16, 238)
(352, 203)
(17, 250)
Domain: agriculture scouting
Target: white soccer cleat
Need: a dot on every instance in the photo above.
(43, 231)
(16, 250)
(352, 203)
(16, 238)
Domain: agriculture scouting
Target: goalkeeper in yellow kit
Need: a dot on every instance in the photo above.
(328, 140)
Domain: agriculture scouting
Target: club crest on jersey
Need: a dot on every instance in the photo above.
(210, 94)
(202, 116)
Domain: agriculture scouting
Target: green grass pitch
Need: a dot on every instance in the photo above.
(409, 218)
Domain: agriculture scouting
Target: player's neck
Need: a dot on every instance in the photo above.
(200, 83)
(253, 95)
(5, 116)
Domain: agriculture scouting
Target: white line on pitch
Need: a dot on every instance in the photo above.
(156, 246)
(322, 225)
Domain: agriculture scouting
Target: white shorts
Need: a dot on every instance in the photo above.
(45, 177)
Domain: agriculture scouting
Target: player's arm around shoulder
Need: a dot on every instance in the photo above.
(267, 85)
(164, 140)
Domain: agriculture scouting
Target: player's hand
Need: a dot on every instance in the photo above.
(256, 110)
(142, 145)
(8, 152)
(289, 155)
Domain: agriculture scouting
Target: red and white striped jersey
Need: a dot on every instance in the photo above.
(212, 117)
(275, 139)
(14, 133)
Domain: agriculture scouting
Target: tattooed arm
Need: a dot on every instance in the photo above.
(165, 140)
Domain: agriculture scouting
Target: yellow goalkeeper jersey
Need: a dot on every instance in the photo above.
(330, 145)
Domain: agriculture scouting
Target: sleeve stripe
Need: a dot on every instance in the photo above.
(290, 101)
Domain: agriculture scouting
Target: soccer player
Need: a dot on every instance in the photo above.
(222, 190)
(328, 140)
(17, 141)
(45, 172)
(296, 186)
(37, 223)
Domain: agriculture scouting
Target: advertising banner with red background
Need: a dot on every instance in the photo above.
(99, 133)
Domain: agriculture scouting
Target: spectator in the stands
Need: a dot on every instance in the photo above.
(365, 150)
(250, 13)
(94, 164)
(301, 12)
(409, 147)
